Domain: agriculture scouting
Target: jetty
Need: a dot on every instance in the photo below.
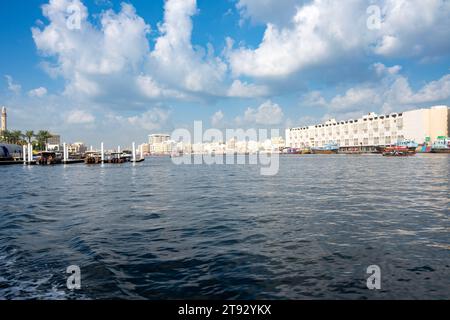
(27, 156)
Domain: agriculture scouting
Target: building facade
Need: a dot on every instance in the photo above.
(372, 130)
(160, 144)
(77, 148)
(158, 138)
(54, 142)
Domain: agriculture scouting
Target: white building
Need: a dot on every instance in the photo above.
(422, 125)
(160, 143)
(54, 143)
(77, 148)
(158, 138)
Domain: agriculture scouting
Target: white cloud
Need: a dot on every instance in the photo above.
(268, 11)
(355, 98)
(38, 92)
(325, 31)
(93, 61)
(217, 119)
(435, 91)
(381, 70)
(176, 61)
(80, 117)
(414, 28)
(97, 60)
(319, 30)
(247, 90)
(313, 99)
(392, 92)
(152, 90)
(121, 43)
(14, 87)
(268, 113)
(150, 120)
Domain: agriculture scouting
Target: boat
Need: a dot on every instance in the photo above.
(48, 158)
(305, 151)
(93, 158)
(350, 150)
(425, 148)
(292, 151)
(118, 157)
(330, 148)
(410, 144)
(441, 146)
(398, 151)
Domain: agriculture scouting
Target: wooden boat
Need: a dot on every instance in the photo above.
(47, 158)
(327, 149)
(398, 151)
(350, 150)
(305, 151)
(93, 158)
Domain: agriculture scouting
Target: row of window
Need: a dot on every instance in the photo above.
(365, 121)
(336, 134)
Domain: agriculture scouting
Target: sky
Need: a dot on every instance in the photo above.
(112, 71)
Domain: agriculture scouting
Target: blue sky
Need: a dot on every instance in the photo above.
(134, 68)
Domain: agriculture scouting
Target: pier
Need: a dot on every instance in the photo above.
(28, 158)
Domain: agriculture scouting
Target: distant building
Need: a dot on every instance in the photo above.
(144, 148)
(77, 148)
(54, 142)
(372, 130)
(4, 124)
(160, 143)
(158, 138)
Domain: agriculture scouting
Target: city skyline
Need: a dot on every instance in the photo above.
(236, 64)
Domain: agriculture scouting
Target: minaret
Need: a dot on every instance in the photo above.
(4, 122)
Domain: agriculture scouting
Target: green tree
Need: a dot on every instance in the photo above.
(6, 136)
(16, 137)
(29, 135)
(42, 138)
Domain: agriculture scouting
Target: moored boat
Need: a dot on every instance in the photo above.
(331, 148)
(410, 144)
(441, 146)
(350, 150)
(47, 158)
(305, 151)
(93, 158)
(398, 151)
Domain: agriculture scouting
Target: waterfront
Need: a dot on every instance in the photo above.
(159, 231)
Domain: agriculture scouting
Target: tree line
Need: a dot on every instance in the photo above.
(39, 139)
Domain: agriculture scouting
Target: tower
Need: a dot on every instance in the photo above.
(4, 126)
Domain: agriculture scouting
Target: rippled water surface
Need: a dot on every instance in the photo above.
(161, 231)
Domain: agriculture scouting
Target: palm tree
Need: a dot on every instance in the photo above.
(16, 137)
(29, 135)
(6, 136)
(42, 138)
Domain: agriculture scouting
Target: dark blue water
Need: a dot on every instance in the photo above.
(160, 231)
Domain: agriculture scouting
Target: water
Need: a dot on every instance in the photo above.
(160, 231)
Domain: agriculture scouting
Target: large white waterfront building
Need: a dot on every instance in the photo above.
(372, 130)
